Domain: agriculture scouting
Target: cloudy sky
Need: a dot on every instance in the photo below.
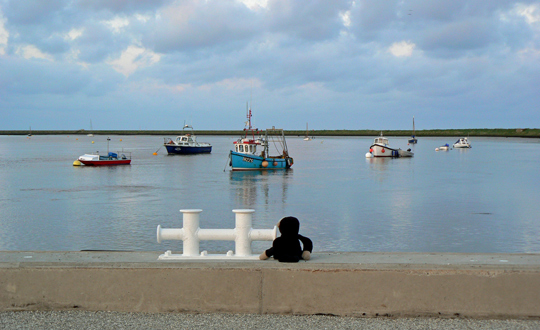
(151, 64)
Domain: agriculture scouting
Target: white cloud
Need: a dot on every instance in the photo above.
(4, 36)
(400, 49)
(234, 84)
(531, 13)
(74, 34)
(255, 4)
(143, 18)
(133, 58)
(117, 24)
(31, 51)
(346, 18)
(529, 53)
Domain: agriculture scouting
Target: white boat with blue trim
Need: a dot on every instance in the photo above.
(252, 151)
(462, 143)
(381, 148)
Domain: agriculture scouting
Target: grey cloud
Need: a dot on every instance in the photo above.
(40, 76)
(370, 17)
(197, 24)
(463, 35)
(97, 43)
(311, 20)
(37, 76)
(122, 6)
(33, 12)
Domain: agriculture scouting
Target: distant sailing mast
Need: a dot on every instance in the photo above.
(307, 138)
(91, 129)
(413, 139)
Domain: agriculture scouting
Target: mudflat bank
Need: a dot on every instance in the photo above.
(487, 132)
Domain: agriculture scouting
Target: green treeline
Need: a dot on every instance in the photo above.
(488, 132)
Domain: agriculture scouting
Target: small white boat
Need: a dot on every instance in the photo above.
(381, 148)
(443, 148)
(462, 143)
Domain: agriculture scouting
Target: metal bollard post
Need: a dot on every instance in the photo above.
(243, 227)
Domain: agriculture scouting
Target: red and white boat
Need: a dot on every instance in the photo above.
(111, 158)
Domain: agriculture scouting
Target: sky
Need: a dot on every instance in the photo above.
(155, 64)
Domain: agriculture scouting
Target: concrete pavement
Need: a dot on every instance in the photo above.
(480, 286)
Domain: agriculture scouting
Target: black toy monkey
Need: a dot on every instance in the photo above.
(287, 247)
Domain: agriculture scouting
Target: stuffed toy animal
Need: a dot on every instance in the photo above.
(286, 248)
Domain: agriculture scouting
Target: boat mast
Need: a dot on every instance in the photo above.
(248, 122)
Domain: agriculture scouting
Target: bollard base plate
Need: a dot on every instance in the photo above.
(168, 255)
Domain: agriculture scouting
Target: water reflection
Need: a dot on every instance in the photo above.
(252, 188)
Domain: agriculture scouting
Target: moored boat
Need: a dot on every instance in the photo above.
(413, 138)
(307, 138)
(445, 147)
(186, 144)
(91, 130)
(252, 152)
(381, 148)
(110, 158)
(462, 143)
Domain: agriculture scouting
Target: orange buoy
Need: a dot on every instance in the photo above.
(382, 150)
(264, 163)
(275, 163)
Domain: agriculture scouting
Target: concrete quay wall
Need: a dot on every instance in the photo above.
(345, 284)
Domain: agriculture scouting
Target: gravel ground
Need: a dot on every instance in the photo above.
(113, 320)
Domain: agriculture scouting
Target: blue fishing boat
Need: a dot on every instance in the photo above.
(186, 144)
(252, 152)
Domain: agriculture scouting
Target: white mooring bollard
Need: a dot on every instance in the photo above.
(191, 234)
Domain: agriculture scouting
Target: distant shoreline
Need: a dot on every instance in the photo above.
(487, 132)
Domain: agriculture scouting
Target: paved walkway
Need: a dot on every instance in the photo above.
(112, 320)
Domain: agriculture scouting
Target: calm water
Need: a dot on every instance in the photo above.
(485, 199)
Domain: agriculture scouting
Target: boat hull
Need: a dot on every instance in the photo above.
(187, 150)
(106, 162)
(247, 162)
(380, 151)
(413, 140)
(462, 146)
